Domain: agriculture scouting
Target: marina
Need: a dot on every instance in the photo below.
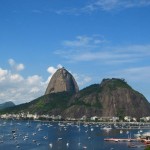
(121, 140)
(44, 135)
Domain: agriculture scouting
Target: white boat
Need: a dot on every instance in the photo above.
(107, 129)
(146, 133)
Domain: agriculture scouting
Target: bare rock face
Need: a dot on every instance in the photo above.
(113, 97)
(119, 99)
(62, 81)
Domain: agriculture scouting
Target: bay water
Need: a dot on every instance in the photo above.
(40, 135)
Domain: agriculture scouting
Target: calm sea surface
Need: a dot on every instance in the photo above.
(35, 135)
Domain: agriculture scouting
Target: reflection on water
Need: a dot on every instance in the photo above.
(35, 135)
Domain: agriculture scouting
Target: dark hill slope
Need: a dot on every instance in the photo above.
(6, 105)
(113, 97)
(53, 103)
(85, 103)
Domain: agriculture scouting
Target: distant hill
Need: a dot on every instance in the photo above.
(6, 105)
(113, 97)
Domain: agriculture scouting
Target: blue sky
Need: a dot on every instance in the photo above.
(93, 39)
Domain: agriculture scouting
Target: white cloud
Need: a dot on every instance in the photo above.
(14, 87)
(3, 74)
(20, 67)
(18, 89)
(135, 74)
(82, 80)
(75, 50)
(11, 62)
(85, 41)
(113, 55)
(59, 66)
(15, 66)
(51, 70)
(87, 79)
(104, 5)
(91, 49)
(108, 5)
(15, 78)
(80, 41)
(33, 80)
(34, 90)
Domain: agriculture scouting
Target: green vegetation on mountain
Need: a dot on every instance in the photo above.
(113, 97)
(95, 89)
(43, 104)
(90, 89)
(115, 83)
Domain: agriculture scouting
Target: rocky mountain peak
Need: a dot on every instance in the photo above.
(62, 81)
